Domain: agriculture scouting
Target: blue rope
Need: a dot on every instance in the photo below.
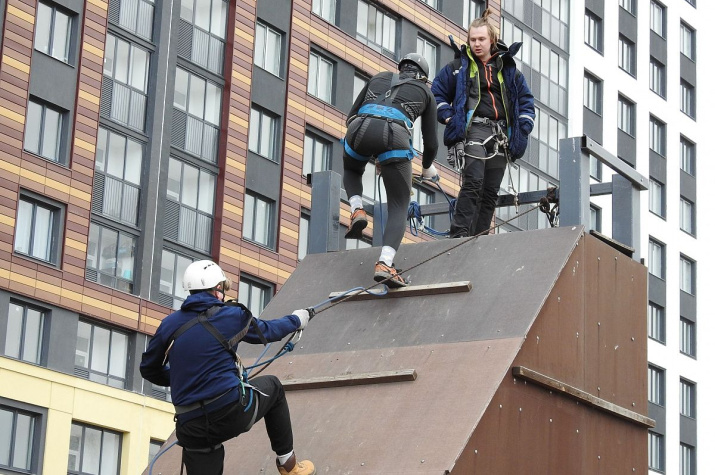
(162, 452)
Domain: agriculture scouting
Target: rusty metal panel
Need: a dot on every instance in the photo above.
(408, 427)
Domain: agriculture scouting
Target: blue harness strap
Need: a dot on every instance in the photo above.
(384, 112)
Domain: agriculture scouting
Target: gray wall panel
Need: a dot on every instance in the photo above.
(627, 146)
(263, 176)
(658, 167)
(656, 290)
(688, 431)
(687, 70)
(689, 305)
(593, 125)
(627, 25)
(658, 48)
(688, 186)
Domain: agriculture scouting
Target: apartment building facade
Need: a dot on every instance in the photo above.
(138, 136)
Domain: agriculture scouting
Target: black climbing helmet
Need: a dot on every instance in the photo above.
(417, 60)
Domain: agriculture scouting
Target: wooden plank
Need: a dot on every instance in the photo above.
(581, 396)
(359, 379)
(409, 291)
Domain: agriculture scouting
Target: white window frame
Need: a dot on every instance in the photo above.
(628, 5)
(626, 116)
(687, 99)
(104, 359)
(687, 399)
(316, 153)
(686, 457)
(376, 28)
(687, 215)
(24, 337)
(254, 294)
(428, 50)
(593, 31)
(627, 55)
(173, 266)
(320, 77)
(268, 48)
(687, 41)
(325, 9)
(43, 131)
(593, 93)
(656, 259)
(20, 427)
(111, 255)
(263, 133)
(656, 322)
(657, 77)
(53, 32)
(38, 236)
(657, 18)
(258, 220)
(687, 275)
(472, 10)
(687, 156)
(656, 197)
(687, 337)
(656, 385)
(657, 136)
(656, 451)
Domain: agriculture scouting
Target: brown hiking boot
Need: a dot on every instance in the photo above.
(358, 222)
(291, 467)
(383, 271)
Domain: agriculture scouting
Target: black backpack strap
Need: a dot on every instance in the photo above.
(388, 96)
(252, 322)
(203, 319)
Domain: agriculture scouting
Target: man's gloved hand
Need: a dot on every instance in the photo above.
(304, 316)
(430, 173)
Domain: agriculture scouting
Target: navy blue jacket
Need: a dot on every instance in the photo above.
(199, 367)
(451, 91)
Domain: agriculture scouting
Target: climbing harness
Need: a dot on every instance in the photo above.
(498, 136)
(414, 212)
(382, 109)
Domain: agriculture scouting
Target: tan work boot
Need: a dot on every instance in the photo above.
(383, 271)
(358, 222)
(291, 467)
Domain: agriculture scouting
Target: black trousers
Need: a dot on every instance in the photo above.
(214, 428)
(478, 196)
(397, 176)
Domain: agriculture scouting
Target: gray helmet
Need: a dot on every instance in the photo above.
(417, 60)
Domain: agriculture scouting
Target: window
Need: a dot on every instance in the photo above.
(110, 258)
(258, 220)
(657, 18)
(628, 5)
(43, 131)
(687, 156)
(593, 31)
(320, 77)
(303, 235)
(171, 289)
(325, 9)
(351, 244)
(190, 205)
(656, 198)
(154, 449)
(656, 452)
(18, 440)
(687, 275)
(25, 331)
(687, 99)
(93, 450)
(656, 385)
(124, 86)
(376, 29)
(202, 33)
(316, 154)
(687, 459)
(687, 216)
(262, 134)
(267, 49)
(687, 337)
(101, 355)
(595, 222)
(428, 50)
(197, 115)
(37, 229)
(431, 3)
(595, 168)
(472, 9)
(592, 93)
(53, 32)
(627, 55)
(657, 77)
(656, 259)
(626, 116)
(657, 136)
(118, 166)
(254, 295)
(209, 15)
(687, 41)
(136, 16)
(359, 83)
(687, 398)
(656, 322)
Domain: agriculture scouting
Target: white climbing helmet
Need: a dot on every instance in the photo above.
(204, 274)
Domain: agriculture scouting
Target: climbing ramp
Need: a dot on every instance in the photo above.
(529, 357)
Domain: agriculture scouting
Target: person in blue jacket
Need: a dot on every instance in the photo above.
(193, 351)
(488, 110)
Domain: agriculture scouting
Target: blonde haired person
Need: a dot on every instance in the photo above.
(488, 110)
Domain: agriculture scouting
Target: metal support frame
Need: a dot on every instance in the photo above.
(574, 194)
(324, 231)
(576, 191)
